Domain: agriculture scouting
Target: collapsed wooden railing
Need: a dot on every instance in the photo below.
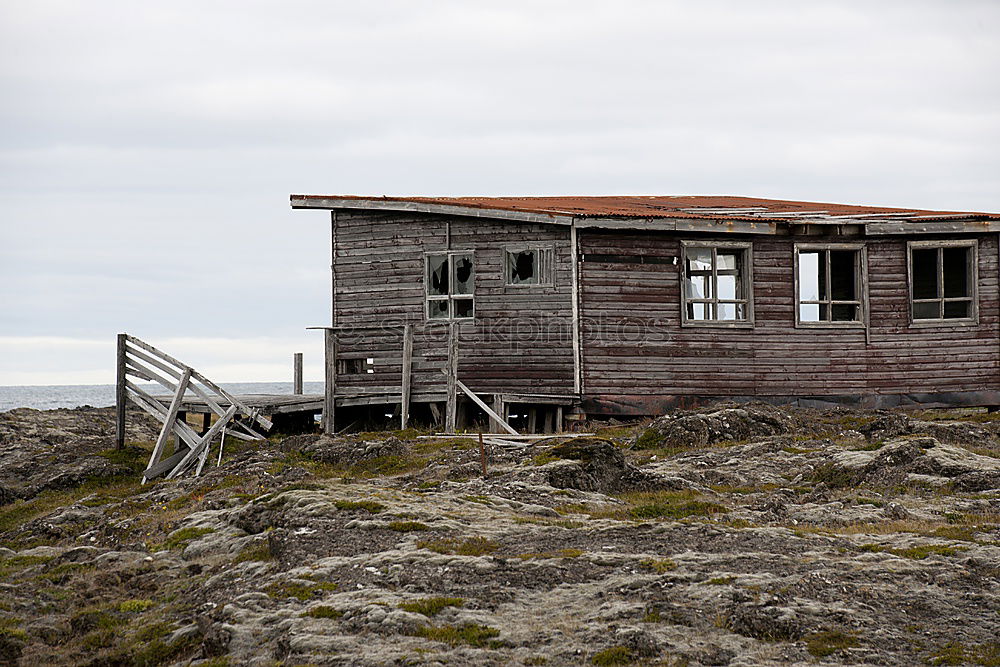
(138, 359)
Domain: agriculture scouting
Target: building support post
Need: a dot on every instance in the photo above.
(451, 409)
(404, 407)
(330, 380)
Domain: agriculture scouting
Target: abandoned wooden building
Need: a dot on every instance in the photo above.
(546, 308)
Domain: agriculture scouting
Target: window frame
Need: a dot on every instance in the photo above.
(860, 286)
(547, 276)
(451, 297)
(972, 276)
(746, 275)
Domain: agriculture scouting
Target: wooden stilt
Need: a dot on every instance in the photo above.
(451, 409)
(330, 391)
(404, 407)
(532, 420)
(498, 407)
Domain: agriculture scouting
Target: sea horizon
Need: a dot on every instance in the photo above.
(56, 396)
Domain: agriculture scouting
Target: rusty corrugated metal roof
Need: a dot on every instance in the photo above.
(710, 207)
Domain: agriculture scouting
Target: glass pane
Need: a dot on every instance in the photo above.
(521, 269)
(699, 259)
(842, 277)
(699, 287)
(731, 311)
(844, 312)
(438, 309)
(824, 312)
(809, 312)
(463, 275)
(697, 311)
(924, 267)
(729, 260)
(728, 286)
(463, 307)
(926, 311)
(809, 277)
(956, 272)
(437, 275)
(957, 309)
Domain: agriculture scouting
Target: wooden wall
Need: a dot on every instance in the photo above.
(521, 340)
(638, 359)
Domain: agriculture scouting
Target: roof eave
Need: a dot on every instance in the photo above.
(333, 203)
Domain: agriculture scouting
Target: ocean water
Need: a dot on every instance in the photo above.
(102, 395)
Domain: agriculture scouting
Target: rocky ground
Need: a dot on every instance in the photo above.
(726, 536)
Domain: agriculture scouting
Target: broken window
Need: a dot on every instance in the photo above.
(355, 366)
(716, 283)
(528, 266)
(450, 284)
(943, 280)
(829, 284)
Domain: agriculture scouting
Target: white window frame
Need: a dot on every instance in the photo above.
(746, 277)
(972, 278)
(451, 297)
(860, 286)
(546, 268)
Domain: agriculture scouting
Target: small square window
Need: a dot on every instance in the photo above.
(716, 283)
(828, 282)
(528, 266)
(450, 284)
(943, 278)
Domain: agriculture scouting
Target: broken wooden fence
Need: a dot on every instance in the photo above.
(137, 359)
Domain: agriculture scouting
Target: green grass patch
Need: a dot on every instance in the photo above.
(369, 506)
(469, 546)
(323, 611)
(300, 590)
(956, 653)
(430, 606)
(919, 552)
(470, 634)
(257, 552)
(407, 526)
(134, 606)
(10, 627)
(181, 538)
(659, 565)
(822, 644)
(614, 655)
(720, 581)
(669, 505)
(649, 439)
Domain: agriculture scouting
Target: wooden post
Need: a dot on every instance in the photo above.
(297, 374)
(498, 407)
(120, 396)
(482, 453)
(330, 377)
(559, 419)
(532, 420)
(404, 408)
(451, 410)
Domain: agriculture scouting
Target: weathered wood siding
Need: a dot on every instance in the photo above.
(635, 350)
(521, 340)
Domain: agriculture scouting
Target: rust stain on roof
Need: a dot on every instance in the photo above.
(662, 206)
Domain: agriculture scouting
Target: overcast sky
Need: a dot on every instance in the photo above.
(147, 149)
